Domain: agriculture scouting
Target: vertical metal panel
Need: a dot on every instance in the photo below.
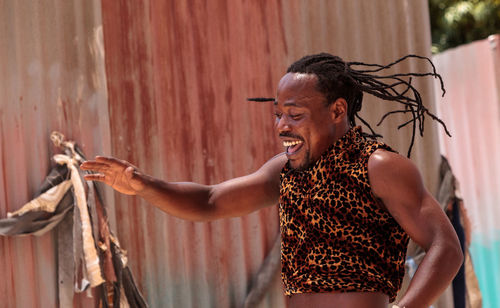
(177, 89)
(51, 78)
(471, 109)
(178, 74)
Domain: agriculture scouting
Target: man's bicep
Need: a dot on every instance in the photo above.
(423, 219)
(397, 182)
(243, 195)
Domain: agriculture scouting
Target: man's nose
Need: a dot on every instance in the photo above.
(282, 124)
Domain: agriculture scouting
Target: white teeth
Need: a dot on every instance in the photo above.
(291, 143)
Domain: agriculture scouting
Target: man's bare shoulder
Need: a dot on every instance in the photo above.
(388, 162)
(382, 157)
(391, 172)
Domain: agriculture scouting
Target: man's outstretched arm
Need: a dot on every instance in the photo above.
(192, 201)
(397, 182)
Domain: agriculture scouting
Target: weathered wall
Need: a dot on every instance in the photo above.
(51, 78)
(471, 108)
(177, 75)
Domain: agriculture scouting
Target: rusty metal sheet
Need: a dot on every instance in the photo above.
(51, 78)
(471, 108)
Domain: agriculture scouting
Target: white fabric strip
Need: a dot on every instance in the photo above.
(89, 250)
(47, 201)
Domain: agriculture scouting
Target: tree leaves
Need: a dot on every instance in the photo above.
(457, 22)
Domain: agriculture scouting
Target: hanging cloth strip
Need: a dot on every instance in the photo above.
(89, 247)
(89, 255)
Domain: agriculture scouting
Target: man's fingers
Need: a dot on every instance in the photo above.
(114, 161)
(118, 174)
(110, 160)
(93, 165)
(103, 158)
(95, 177)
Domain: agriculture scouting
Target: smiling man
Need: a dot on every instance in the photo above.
(348, 204)
(304, 119)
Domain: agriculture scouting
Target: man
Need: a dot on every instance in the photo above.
(347, 203)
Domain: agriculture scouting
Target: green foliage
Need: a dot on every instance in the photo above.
(456, 22)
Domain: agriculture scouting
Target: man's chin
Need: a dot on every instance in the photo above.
(299, 161)
(299, 164)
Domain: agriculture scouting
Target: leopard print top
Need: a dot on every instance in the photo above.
(335, 235)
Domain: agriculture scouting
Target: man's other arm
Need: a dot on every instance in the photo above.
(192, 201)
(397, 182)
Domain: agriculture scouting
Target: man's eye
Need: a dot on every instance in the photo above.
(277, 115)
(295, 116)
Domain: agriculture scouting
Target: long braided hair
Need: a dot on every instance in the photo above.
(337, 78)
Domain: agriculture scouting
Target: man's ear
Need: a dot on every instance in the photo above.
(338, 109)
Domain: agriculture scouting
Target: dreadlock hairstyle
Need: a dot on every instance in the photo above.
(337, 78)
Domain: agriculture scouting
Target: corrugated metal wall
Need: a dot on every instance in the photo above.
(51, 78)
(471, 108)
(172, 100)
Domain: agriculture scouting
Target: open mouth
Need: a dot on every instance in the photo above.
(293, 147)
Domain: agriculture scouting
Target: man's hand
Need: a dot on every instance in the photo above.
(119, 174)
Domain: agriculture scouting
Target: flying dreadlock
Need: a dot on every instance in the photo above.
(337, 78)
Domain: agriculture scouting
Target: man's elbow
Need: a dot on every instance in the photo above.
(454, 255)
(217, 206)
(210, 208)
(206, 209)
(206, 213)
(449, 255)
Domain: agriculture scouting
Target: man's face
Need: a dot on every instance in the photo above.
(303, 119)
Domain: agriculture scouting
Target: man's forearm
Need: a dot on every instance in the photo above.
(434, 274)
(186, 200)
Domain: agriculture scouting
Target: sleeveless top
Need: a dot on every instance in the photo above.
(334, 234)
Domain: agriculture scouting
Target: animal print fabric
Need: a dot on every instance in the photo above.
(335, 234)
